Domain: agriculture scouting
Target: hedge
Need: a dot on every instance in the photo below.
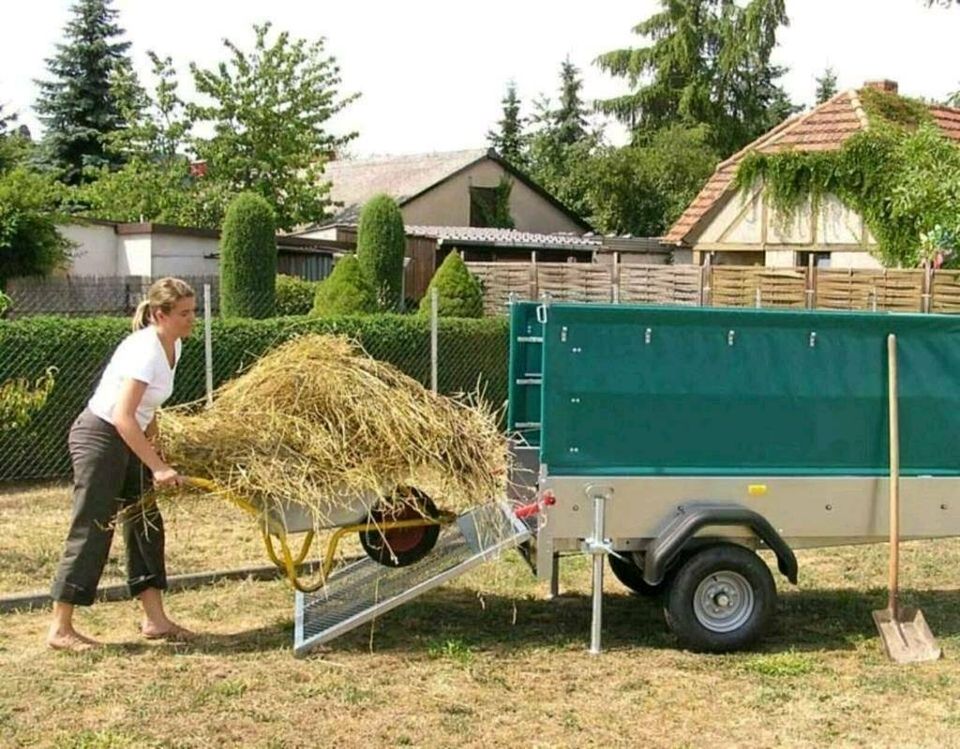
(471, 353)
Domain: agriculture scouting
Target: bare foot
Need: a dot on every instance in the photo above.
(166, 631)
(71, 641)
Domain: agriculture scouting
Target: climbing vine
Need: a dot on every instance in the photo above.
(902, 175)
(493, 205)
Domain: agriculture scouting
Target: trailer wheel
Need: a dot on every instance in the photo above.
(720, 599)
(399, 547)
(630, 574)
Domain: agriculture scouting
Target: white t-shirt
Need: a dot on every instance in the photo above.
(140, 357)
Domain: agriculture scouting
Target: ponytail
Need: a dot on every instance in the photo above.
(162, 295)
(143, 316)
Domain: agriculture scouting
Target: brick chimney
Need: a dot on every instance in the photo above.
(887, 86)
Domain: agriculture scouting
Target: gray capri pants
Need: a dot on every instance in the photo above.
(107, 476)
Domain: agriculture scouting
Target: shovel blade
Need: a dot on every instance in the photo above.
(906, 636)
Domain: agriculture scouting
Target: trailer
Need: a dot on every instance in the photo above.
(677, 442)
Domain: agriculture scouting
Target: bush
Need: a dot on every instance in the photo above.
(471, 352)
(381, 245)
(459, 293)
(248, 259)
(347, 291)
(294, 296)
(30, 244)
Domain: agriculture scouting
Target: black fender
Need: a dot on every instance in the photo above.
(690, 518)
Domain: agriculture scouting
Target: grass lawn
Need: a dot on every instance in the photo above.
(484, 661)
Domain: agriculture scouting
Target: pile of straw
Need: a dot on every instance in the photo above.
(319, 423)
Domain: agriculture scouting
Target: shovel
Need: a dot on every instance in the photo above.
(903, 631)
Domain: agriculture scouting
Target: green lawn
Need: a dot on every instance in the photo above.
(484, 661)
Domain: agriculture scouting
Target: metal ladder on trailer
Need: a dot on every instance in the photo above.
(365, 589)
(525, 373)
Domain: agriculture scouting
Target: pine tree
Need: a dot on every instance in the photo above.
(571, 117)
(509, 140)
(826, 85)
(707, 63)
(80, 104)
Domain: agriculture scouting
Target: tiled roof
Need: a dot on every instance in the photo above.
(948, 119)
(823, 128)
(504, 237)
(400, 177)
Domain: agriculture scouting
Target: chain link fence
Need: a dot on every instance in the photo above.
(35, 418)
(87, 296)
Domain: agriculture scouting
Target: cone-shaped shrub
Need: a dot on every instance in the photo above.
(459, 292)
(345, 292)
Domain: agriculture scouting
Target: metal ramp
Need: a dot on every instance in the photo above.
(365, 589)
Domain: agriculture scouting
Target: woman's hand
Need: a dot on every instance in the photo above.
(164, 475)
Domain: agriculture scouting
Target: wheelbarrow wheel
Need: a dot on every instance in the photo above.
(399, 547)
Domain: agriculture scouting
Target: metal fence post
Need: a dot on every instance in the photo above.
(434, 320)
(207, 344)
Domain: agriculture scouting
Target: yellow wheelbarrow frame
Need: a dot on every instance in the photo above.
(288, 562)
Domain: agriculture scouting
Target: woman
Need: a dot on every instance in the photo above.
(110, 447)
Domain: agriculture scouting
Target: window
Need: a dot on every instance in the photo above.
(483, 206)
(820, 259)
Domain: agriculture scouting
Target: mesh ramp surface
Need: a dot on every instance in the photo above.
(365, 589)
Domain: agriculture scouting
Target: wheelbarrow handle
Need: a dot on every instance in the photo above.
(200, 483)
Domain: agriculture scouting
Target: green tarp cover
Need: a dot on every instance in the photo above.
(740, 391)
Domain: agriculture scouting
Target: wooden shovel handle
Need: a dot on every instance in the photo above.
(893, 601)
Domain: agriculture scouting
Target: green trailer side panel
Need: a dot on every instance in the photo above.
(731, 392)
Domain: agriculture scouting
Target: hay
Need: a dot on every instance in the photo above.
(319, 423)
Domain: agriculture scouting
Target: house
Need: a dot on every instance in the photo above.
(427, 246)
(455, 188)
(109, 249)
(726, 226)
(445, 200)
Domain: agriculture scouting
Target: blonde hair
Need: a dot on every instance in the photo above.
(162, 295)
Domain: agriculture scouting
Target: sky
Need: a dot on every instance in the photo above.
(431, 74)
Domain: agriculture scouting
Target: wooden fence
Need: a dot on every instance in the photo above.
(913, 290)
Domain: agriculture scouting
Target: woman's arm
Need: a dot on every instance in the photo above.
(151, 431)
(124, 419)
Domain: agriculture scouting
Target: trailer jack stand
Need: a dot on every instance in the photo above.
(598, 547)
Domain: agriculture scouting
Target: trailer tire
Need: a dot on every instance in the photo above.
(721, 599)
(630, 574)
(403, 546)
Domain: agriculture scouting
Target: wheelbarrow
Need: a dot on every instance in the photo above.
(395, 536)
